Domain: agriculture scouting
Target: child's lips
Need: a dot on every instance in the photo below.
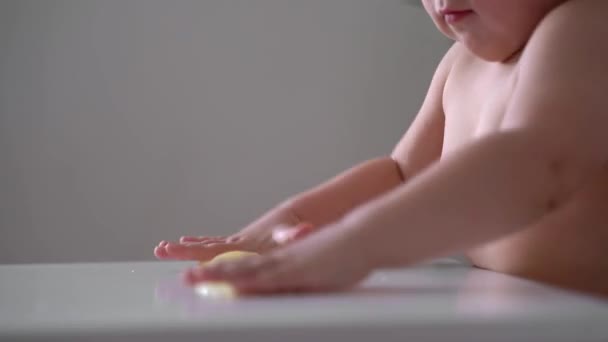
(453, 16)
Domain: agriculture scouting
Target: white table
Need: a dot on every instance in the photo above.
(144, 301)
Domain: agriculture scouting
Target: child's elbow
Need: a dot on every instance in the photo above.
(562, 166)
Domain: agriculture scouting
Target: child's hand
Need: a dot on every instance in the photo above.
(326, 261)
(259, 238)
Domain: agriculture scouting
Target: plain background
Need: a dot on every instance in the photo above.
(124, 122)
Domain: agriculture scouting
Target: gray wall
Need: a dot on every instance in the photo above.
(126, 122)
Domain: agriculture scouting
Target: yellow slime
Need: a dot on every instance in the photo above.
(220, 289)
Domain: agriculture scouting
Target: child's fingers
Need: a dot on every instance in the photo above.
(160, 252)
(230, 270)
(185, 239)
(197, 251)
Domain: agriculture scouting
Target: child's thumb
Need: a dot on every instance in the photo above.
(284, 234)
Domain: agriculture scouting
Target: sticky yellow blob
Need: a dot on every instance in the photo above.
(215, 289)
(220, 289)
(232, 255)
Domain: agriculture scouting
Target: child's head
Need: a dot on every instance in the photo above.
(492, 29)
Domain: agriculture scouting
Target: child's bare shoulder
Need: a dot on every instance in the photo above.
(579, 23)
(568, 46)
(563, 75)
(579, 10)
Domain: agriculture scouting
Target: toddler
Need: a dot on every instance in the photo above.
(506, 162)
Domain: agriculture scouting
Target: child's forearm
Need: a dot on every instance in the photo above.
(330, 200)
(479, 194)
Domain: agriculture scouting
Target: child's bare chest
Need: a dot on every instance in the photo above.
(475, 101)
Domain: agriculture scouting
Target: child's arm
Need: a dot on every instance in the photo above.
(419, 147)
(553, 138)
(331, 200)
